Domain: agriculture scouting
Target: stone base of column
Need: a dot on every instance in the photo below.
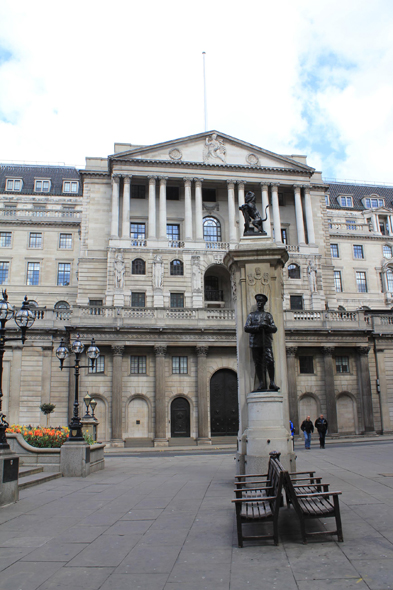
(118, 300)
(75, 459)
(158, 298)
(317, 302)
(197, 300)
(117, 443)
(9, 472)
(266, 432)
(203, 442)
(161, 442)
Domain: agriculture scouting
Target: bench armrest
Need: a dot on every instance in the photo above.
(310, 473)
(317, 495)
(265, 499)
(252, 475)
(252, 489)
(318, 479)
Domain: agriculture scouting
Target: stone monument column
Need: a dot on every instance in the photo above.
(203, 401)
(330, 394)
(117, 391)
(115, 206)
(292, 386)
(16, 372)
(187, 210)
(386, 425)
(126, 207)
(364, 384)
(198, 210)
(160, 439)
(257, 268)
(152, 208)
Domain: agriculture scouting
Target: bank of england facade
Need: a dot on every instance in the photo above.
(130, 250)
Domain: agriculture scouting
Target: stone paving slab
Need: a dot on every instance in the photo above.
(166, 522)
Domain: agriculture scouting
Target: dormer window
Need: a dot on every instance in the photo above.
(346, 201)
(41, 186)
(14, 184)
(373, 202)
(70, 186)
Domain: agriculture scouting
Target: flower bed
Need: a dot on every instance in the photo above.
(41, 437)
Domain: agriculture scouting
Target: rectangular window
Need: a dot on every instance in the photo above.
(172, 193)
(35, 240)
(306, 364)
(372, 203)
(342, 364)
(138, 191)
(327, 200)
(42, 186)
(361, 282)
(5, 239)
(4, 272)
(138, 299)
(180, 365)
(177, 300)
(33, 273)
(64, 274)
(138, 365)
(389, 281)
(65, 241)
(351, 224)
(209, 195)
(346, 202)
(173, 231)
(334, 250)
(99, 365)
(358, 251)
(138, 231)
(14, 184)
(95, 306)
(296, 302)
(382, 228)
(70, 186)
(337, 281)
(284, 238)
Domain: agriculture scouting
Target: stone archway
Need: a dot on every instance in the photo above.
(309, 406)
(224, 406)
(138, 418)
(346, 413)
(180, 418)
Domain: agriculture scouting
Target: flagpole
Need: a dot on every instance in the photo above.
(204, 89)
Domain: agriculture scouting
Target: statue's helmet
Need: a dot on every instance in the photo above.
(261, 297)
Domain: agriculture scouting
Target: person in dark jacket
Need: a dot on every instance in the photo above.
(321, 425)
(308, 428)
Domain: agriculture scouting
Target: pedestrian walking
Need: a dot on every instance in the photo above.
(321, 425)
(292, 429)
(308, 428)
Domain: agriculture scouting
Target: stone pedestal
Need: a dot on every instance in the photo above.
(9, 470)
(75, 459)
(257, 267)
(158, 298)
(90, 426)
(317, 301)
(118, 299)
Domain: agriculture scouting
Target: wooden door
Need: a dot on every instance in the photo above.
(224, 407)
(180, 417)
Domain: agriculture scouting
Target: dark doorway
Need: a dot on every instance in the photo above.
(224, 408)
(180, 417)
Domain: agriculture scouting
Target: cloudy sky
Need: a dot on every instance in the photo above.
(311, 77)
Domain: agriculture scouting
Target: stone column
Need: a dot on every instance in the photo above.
(152, 208)
(240, 196)
(203, 396)
(231, 211)
(16, 372)
(117, 394)
(198, 209)
(266, 211)
(364, 384)
(309, 217)
(162, 219)
(126, 207)
(292, 387)
(187, 209)
(386, 425)
(276, 215)
(46, 374)
(330, 394)
(374, 222)
(299, 216)
(160, 439)
(115, 207)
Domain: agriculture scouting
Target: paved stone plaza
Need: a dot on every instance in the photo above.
(164, 521)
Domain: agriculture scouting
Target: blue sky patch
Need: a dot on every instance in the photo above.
(5, 55)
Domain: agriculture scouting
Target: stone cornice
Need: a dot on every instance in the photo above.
(97, 173)
(38, 221)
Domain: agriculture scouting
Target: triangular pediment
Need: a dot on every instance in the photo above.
(212, 148)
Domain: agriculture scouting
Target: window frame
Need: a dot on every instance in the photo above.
(138, 191)
(292, 267)
(4, 266)
(304, 366)
(38, 245)
(179, 365)
(173, 268)
(10, 182)
(42, 181)
(358, 248)
(348, 201)
(140, 363)
(71, 183)
(139, 235)
(212, 236)
(99, 365)
(334, 248)
(33, 274)
(361, 281)
(389, 280)
(175, 295)
(63, 273)
(337, 277)
(339, 363)
(65, 247)
(292, 300)
(173, 236)
(138, 295)
(8, 239)
(134, 267)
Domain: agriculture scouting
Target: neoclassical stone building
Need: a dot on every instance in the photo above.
(130, 250)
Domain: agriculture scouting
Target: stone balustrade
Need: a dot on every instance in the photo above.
(46, 214)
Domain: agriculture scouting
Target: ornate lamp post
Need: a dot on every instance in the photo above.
(62, 353)
(24, 319)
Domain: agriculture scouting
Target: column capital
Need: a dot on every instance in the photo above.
(117, 350)
(162, 179)
(202, 350)
(116, 178)
(274, 184)
(265, 184)
(307, 187)
(127, 178)
(160, 350)
(199, 180)
(231, 181)
(327, 350)
(152, 178)
(291, 351)
(297, 187)
(188, 180)
(362, 350)
(241, 182)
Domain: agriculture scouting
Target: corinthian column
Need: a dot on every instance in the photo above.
(203, 403)
(198, 209)
(161, 419)
(152, 207)
(117, 391)
(240, 196)
(187, 210)
(331, 406)
(292, 386)
(126, 207)
(115, 207)
(299, 216)
(162, 221)
(266, 210)
(276, 214)
(309, 217)
(231, 210)
(364, 383)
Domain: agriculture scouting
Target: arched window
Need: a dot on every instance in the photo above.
(62, 305)
(211, 229)
(387, 251)
(138, 267)
(293, 271)
(176, 268)
(389, 280)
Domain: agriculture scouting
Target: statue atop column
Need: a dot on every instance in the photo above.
(261, 327)
(158, 271)
(252, 218)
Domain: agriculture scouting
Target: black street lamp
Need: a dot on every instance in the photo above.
(62, 353)
(24, 319)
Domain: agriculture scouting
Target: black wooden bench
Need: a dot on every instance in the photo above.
(258, 502)
(314, 503)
